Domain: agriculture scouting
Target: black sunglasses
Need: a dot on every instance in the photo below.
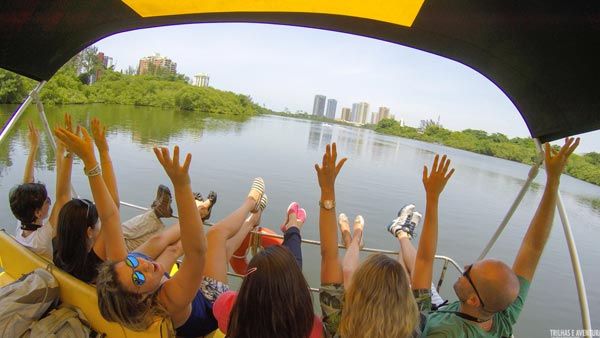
(466, 275)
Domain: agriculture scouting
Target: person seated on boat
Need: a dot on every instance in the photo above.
(79, 247)
(491, 294)
(133, 289)
(374, 300)
(274, 299)
(143, 227)
(30, 203)
(403, 228)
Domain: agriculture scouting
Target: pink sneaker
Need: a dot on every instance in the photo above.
(292, 208)
(301, 215)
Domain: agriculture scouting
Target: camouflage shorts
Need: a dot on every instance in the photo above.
(212, 288)
(423, 298)
(331, 297)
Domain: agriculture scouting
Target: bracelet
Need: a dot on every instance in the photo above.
(95, 171)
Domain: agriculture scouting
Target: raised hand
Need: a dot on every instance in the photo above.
(61, 146)
(33, 135)
(177, 173)
(99, 133)
(436, 181)
(557, 160)
(82, 146)
(329, 169)
(68, 122)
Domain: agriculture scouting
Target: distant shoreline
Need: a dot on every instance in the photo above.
(583, 167)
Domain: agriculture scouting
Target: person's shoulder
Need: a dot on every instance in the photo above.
(443, 322)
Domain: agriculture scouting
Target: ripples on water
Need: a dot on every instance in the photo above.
(382, 174)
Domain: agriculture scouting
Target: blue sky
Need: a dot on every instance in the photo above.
(285, 67)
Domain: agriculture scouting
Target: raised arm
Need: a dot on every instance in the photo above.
(64, 164)
(434, 185)
(179, 291)
(110, 245)
(331, 267)
(34, 142)
(536, 237)
(108, 172)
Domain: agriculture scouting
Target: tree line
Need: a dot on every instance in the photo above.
(165, 90)
(584, 167)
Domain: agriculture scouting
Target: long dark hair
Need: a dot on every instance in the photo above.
(71, 246)
(274, 299)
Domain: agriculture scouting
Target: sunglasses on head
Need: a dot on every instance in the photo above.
(137, 277)
(466, 275)
(88, 203)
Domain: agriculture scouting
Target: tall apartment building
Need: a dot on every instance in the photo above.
(201, 80)
(354, 114)
(150, 64)
(360, 112)
(319, 105)
(331, 107)
(383, 113)
(346, 114)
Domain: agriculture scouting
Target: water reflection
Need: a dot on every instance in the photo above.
(146, 126)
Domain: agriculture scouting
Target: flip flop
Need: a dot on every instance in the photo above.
(259, 186)
(212, 197)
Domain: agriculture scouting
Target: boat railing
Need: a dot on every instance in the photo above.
(256, 239)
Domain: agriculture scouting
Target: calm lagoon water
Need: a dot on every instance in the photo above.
(382, 174)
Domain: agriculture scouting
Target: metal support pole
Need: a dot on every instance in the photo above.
(17, 114)
(530, 177)
(40, 108)
(583, 303)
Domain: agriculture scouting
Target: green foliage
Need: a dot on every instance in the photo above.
(164, 90)
(13, 87)
(593, 158)
(586, 168)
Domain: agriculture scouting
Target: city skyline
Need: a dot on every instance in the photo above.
(276, 65)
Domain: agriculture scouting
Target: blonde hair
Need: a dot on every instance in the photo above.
(135, 311)
(379, 301)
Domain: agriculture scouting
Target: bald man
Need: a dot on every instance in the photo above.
(491, 294)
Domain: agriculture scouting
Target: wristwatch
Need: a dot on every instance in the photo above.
(327, 204)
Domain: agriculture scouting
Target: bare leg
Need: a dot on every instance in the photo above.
(170, 255)
(217, 237)
(234, 242)
(352, 257)
(155, 245)
(408, 253)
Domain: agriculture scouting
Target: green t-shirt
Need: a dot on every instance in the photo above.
(443, 324)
